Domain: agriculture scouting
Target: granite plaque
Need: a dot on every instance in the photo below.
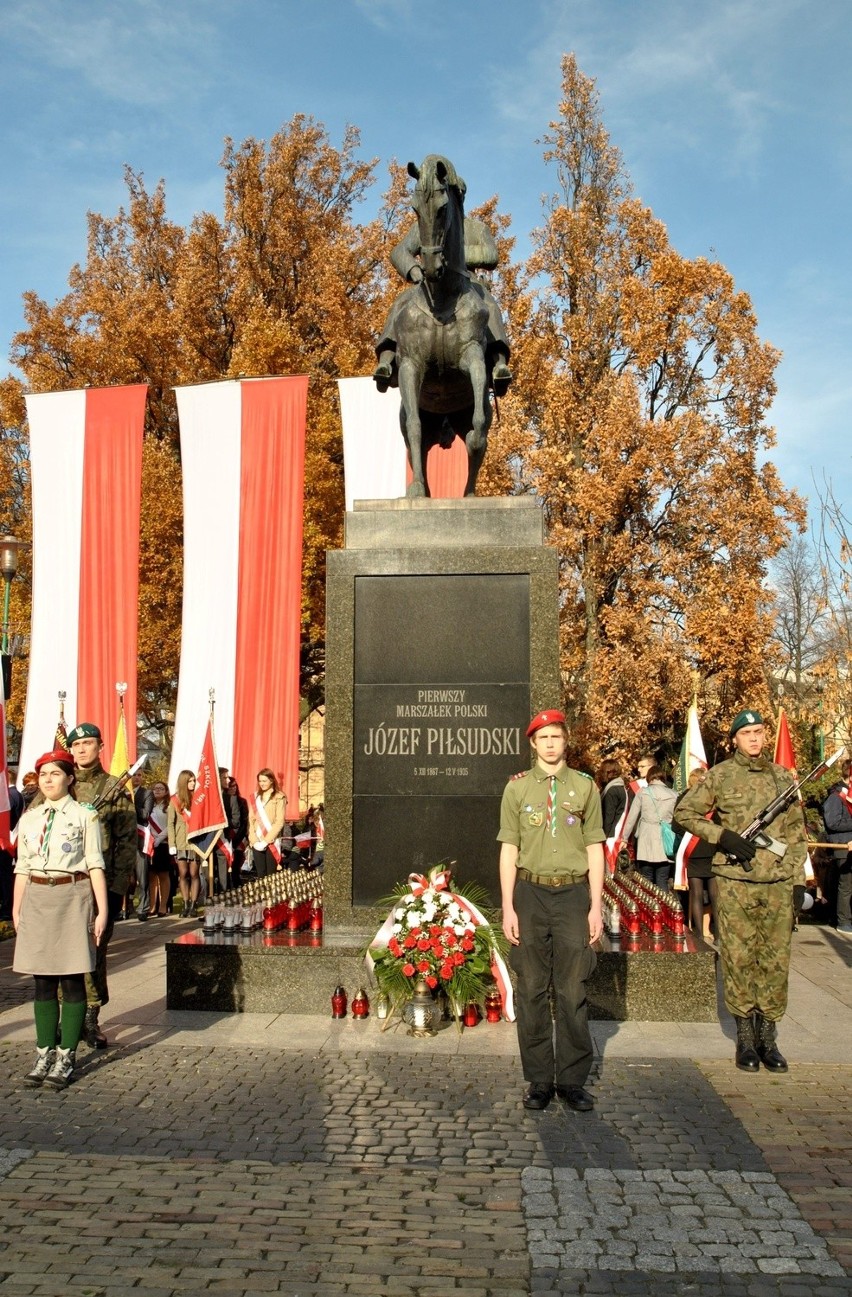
(441, 700)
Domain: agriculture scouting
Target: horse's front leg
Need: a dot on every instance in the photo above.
(410, 382)
(472, 361)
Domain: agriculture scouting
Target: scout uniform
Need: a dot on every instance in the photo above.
(552, 820)
(755, 905)
(59, 850)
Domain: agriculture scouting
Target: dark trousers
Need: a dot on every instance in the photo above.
(97, 991)
(553, 924)
(264, 862)
(656, 871)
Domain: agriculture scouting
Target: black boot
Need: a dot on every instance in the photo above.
(746, 1057)
(92, 1033)
(768, 1052)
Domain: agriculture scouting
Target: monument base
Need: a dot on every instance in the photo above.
(636, 979)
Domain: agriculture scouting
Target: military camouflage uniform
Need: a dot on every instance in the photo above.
(117, 818)
(755, 907)
(553, 920)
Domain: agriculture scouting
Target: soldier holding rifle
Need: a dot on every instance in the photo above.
(117, 818)
(755, 885)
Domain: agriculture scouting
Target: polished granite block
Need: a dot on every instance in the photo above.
(262, 973)
(647, 979)
(666, 981)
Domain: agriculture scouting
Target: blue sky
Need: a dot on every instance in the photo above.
(734, 119)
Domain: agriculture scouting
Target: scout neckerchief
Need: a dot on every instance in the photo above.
(550, 818)
(264, 819)
(46, 829)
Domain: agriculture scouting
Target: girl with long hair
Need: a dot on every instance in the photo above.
(179, 847)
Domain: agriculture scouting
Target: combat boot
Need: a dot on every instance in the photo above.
(768, 1052)
(746, 1057)
(59, 1076)
(92, 1033)
(44, 1062)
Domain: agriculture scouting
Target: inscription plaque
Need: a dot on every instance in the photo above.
(441, 702)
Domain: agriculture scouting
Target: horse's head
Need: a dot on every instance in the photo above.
(438, 203)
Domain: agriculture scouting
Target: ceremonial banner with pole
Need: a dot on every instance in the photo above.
(786, 757)
(692, 757)
(5, 817)
(243, 457)
(207, 818)
(86, 470)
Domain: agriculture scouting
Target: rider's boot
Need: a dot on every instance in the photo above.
(383, 373)
(501, 375)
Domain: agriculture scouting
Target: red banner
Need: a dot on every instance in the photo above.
(207, 812)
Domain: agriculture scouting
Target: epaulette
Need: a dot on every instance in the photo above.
(582, 774)
(519, 775)
(87, 806)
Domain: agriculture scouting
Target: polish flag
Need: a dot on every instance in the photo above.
(86, 469)
(375, 463)
(243, 457)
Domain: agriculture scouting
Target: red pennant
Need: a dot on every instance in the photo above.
(784, 755)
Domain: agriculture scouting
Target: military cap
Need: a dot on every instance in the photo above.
(84, 731)
(544, 718)
(745, 718)
(59, 756)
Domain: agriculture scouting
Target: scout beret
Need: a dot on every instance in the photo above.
(544, 718)
(59, 757)
(84, 731)
(745, 718)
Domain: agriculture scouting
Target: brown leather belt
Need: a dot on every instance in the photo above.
(551, 880)
(57, 880)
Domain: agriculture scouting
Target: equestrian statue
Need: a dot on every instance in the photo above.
(443, 344)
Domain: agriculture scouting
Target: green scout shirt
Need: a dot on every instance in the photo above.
(117, 819)
(523, 813)
(737, 790)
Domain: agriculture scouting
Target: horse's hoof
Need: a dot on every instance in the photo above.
(382, 376)
(416, 491)
(500, 379)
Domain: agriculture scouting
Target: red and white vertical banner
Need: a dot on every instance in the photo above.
(86, 471)
(243, 457)
(375, 464)
(5, 819)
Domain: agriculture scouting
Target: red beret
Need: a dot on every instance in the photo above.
(544, 718)
(59, 756)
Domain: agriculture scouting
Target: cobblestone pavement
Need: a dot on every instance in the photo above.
(185, 1169)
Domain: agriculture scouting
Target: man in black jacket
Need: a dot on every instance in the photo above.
(837, 815)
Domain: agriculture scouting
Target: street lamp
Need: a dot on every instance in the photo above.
(10, 548)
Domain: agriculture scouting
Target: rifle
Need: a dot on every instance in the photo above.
(756, 831)
(116, 782)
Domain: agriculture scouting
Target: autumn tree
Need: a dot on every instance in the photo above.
(284, 281)
(643, 389)
(16, 520)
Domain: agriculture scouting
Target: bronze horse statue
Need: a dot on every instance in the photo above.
(444, 342)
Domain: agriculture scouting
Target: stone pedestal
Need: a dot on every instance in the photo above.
(442, 639)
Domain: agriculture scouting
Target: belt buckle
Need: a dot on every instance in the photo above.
(558, 881)
(51, 881)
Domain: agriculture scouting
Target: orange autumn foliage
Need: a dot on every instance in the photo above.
(286, 281)
(638, 417)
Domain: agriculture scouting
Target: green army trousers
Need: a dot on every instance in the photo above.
(755, 925)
